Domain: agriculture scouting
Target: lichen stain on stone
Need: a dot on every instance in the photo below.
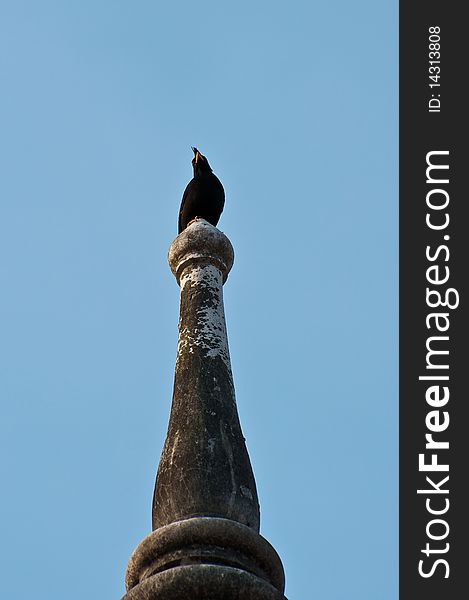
(209, 333)
(246, 492)
(174, 448)
(229, 455)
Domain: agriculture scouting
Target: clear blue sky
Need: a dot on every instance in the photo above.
(295, 105)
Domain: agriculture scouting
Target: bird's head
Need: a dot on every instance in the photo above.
(200, 163)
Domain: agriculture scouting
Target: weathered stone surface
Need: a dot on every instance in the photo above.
(205, 540)
(204, 582)
(201, 242)
(204, 468)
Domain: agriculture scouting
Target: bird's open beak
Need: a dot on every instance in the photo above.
(196, 152)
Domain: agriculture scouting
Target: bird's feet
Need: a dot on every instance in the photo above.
(193, 221)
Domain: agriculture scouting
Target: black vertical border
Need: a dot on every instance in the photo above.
(420, 132)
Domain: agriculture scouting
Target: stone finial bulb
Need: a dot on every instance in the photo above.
(201, 242)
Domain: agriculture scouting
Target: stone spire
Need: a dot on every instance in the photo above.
(205, 543)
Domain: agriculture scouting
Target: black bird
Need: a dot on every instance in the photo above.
(204, 195)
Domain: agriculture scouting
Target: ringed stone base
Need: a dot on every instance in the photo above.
(205, 558)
